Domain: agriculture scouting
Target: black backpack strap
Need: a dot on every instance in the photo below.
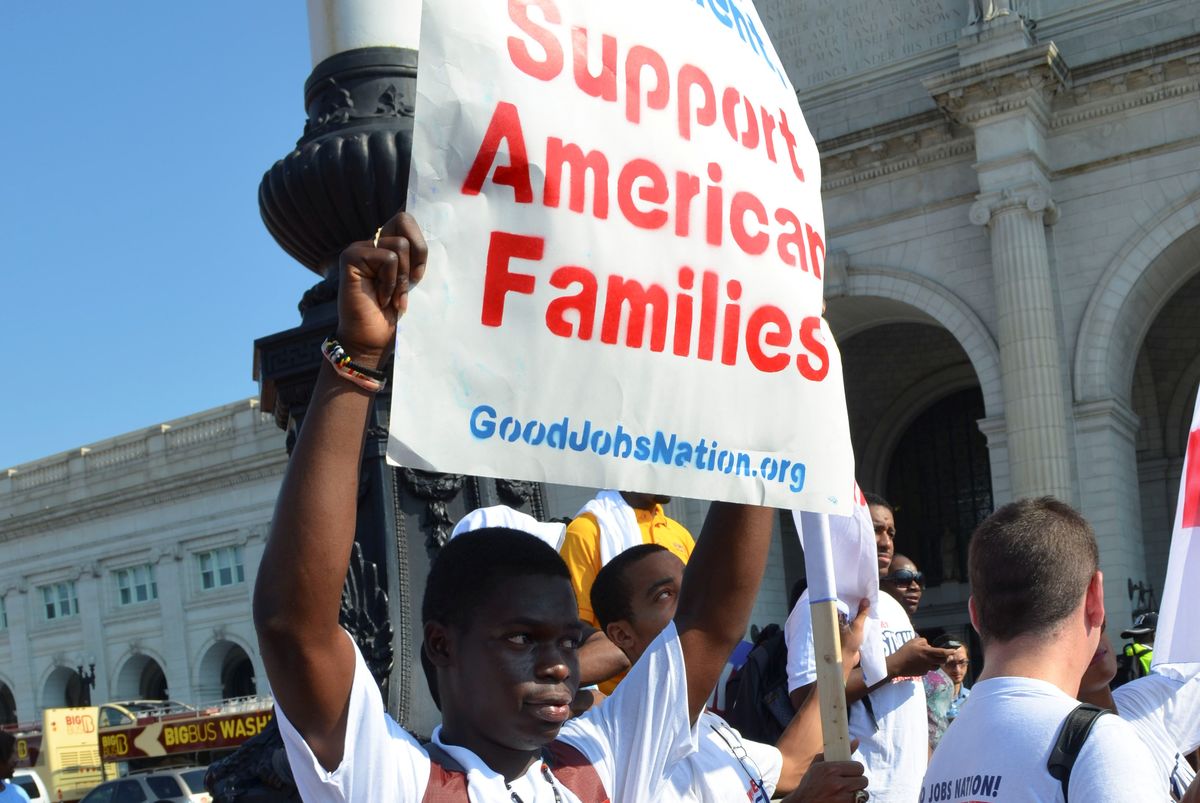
(1074, 732)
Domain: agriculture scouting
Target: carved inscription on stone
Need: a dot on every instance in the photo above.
(819, 41)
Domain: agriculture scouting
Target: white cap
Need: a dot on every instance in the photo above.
(505, 516)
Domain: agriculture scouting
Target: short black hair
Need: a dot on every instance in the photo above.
(8, 743)
(612, 598)
(878, 501)
(471, 566)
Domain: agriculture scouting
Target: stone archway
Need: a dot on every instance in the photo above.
(1121, 406)
(225, 671)
(1139, 280)
(141, 678)
(1163, 396)
(926, 299)
(63, 687)
(901, 369)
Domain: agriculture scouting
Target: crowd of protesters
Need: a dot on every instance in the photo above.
(579, 666)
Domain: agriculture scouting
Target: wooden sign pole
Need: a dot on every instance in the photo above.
(827, 639)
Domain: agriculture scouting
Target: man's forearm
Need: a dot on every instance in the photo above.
(801, 740)
(856, 685)
(304, 563)
(719, 588)
(600, 659)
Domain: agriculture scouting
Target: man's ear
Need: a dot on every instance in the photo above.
(1093, 602)
(621, 633)
(973, 613)
(439, 643)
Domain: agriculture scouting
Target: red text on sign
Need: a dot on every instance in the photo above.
(703, 319)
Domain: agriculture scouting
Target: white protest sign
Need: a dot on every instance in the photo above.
(622, 202)
(841, 561)
(1178, 637)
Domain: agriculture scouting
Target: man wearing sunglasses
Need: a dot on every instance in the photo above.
(904, 582)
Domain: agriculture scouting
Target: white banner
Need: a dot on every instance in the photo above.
(1178, 637)
(841, 561)
(622, 202)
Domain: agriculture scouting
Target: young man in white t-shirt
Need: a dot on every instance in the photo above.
(890, 719)
(501, 624)
(634, 598)
(1037, 602)
(1164, 708)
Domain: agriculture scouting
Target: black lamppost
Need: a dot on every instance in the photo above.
(87, 680)
(346, 176)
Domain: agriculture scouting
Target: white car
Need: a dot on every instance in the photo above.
(31, 782)
(178, 784)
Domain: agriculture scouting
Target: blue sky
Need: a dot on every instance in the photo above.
(136, 272)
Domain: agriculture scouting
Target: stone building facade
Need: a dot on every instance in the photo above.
(1012, 210)
(138, 555)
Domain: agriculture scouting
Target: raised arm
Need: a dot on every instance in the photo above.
(719, 587)
(298, 592)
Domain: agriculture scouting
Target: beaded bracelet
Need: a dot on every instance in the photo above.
(364, 377)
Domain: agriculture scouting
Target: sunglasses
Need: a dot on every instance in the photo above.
(904, 577)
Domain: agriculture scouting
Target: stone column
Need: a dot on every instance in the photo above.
(1110, 497)
(996, 432)
(16, 604)
(1030, 348)
(88, 589)
(252, 553)
(1005, 99)
(171, 579)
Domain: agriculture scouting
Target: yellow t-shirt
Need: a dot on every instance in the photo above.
(581, 551)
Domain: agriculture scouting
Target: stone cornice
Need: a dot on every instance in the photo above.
(164, 552)
(1141, 78)
(148, 495)
(921, 139)
(995, 429)
(19, 585)
(1096, 415)
(1023, 81)
(1154, 74)
(854, 168)
(179, 438)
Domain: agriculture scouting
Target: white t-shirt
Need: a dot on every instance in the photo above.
(725, 768)
(894, 746)
(997, 748)
(631, 740)
(1165, 712)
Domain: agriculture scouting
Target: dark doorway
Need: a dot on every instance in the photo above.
(940, 482)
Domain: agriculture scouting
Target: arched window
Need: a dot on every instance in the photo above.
(237, 675)
(940, 482)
